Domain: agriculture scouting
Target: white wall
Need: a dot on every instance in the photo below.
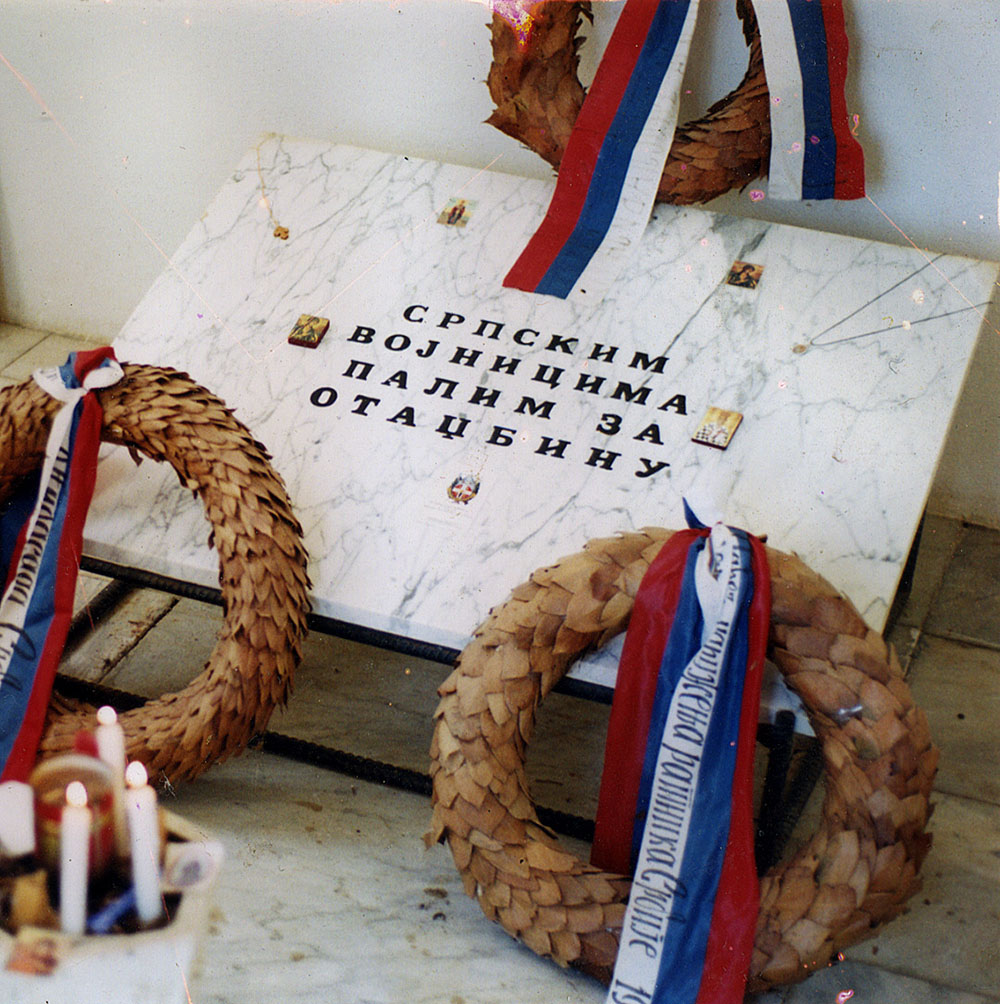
(119, 119)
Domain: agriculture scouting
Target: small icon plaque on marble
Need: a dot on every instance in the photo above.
(717, 428)
(745, 274)
(38, 951)
(464, 488)
(457, 212)
(309, 331)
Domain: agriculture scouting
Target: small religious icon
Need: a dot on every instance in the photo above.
(717, 428)
(309, 331)
(456, 213)
(37, 952)
(742, 273)
(464, 488)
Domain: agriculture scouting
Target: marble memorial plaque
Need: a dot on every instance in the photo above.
(448, 435)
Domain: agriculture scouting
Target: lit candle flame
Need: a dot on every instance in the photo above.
(76, 794)
(135, 775)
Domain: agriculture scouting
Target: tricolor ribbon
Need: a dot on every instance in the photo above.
(814, 154)
(675, 806)
(41, 542)
(615, 154)
(611, 168)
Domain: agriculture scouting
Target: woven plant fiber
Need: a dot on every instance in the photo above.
(535, 86)
(164, 415)
(855, 873)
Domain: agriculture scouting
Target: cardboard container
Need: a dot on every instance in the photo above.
(150, 967)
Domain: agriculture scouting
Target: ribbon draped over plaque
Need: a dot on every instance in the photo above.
(675, 807)
(613, 161)
(41, 541)
(814, 154)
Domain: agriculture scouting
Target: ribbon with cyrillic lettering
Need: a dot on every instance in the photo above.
(41, 541)
(611, 168)
(675, 802)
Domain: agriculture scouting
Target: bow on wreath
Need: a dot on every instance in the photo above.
(610, 170)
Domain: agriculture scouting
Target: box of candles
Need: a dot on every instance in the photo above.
(103, 894)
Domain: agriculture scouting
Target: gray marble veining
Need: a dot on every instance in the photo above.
(845, 361)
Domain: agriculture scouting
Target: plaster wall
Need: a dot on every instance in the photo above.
(119, 120)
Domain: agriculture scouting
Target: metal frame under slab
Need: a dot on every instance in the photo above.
(794, 761)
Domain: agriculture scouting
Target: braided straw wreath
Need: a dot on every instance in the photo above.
(855, 873)
(534, 84)
(164, 415)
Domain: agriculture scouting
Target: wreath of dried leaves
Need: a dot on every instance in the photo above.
(536, 88)
(854, 874)
(164, 415)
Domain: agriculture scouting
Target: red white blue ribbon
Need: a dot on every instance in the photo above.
(675, 803)
(41, 541)
(615, 155)
(814, 154)
(614, 159)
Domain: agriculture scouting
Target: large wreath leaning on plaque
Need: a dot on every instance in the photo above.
(856, 871)
(162, 414)
(535, 86)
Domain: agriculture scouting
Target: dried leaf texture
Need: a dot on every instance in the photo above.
(855, 873)
(537, 93)
(164, 415)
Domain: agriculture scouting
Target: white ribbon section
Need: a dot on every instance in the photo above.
(18, 595)
(784, 85)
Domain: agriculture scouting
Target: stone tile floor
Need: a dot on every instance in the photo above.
(329, 894)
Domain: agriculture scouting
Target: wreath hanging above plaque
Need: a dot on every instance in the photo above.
(626, 126)
(534, 83)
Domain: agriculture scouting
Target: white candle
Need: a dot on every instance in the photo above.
(17, 818)
(144, 840)
(74, 850)
(111, 749)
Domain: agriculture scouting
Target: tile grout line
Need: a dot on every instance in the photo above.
(963, 639)
(991, 803)
(931, 983)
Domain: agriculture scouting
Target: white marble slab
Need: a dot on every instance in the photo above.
(846, 362)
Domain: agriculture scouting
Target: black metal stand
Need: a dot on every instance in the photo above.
(784, 795)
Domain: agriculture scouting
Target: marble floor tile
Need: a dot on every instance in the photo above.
(328, 894)
(950, 933)
(97, 655)
(938, 540)
(967, 606)
(88, 586)
(15, 341)
(51, 350)
(867, 984)
(958, 686)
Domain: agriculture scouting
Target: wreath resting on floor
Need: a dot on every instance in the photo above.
(855, 873)
(163, 414)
